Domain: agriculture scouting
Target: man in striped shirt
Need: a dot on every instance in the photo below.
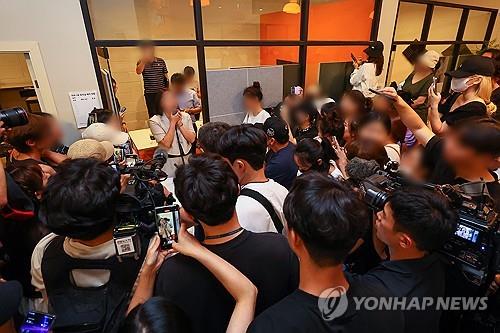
(154, 74)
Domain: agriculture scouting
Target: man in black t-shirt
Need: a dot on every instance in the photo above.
(207, 189)
(467, 153)
(154, 73)
(324, 221)
(414, 223)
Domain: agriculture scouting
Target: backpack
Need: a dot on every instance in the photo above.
(92, 309)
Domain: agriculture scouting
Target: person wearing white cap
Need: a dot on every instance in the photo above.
(90, 148)
(418, 82)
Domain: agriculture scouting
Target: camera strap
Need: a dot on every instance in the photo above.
(181, 150)
(267, 206)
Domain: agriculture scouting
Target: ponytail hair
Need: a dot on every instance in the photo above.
(310, 151)
(254, 91)
(379, 63)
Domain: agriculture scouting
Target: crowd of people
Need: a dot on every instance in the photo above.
(272, 211)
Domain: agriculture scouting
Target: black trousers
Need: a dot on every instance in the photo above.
(151, 101)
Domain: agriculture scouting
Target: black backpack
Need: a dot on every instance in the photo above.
(89, 310)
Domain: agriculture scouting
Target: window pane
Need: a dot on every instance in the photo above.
(410, 21)
(444, 24)
(249, 20)
(330, 67)
(477, 23)
(333, 20)
(142, 19)
(130, 91)
(400, 67)
(249, 56)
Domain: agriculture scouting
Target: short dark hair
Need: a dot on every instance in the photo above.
(29, 177)
(375, 117)
(245, 142)
(363, 104)
(209, 135)
(36, 129)
(424, 214)
(368, 150)
(254, 91)
(480, 134)
(188, 70)
(327, 216)
(99, 116)
(156, 315)
(207, 188)
(80, 199)
(177, 78)
(331, 122)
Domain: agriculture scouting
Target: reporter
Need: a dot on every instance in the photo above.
(414, 223)
(312, 155)
(324, 222)
(207, 189)
(76, 267)
(472, 84)
(463, 155)
(209, 135)
(377, 127)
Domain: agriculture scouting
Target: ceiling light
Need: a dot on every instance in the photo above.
(292, 7)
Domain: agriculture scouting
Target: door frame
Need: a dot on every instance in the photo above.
(45, 97)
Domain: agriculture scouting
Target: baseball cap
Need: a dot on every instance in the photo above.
(103, 132)
(90, 148)
(11, 292)
(474, 65)
(276, 128)
(375, 49)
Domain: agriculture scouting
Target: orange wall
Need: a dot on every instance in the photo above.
(339, 20)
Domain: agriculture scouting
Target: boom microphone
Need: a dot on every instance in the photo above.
(358, 169)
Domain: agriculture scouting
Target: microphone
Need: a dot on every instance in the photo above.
(159, 159)
(358, 169)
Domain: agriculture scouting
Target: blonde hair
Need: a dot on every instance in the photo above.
(484, 88)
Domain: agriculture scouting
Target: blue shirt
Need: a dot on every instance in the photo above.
(281, 167)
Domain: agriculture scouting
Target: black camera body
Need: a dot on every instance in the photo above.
(474, 248)
(13, 117)
(136, 207)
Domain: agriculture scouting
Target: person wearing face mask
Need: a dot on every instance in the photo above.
(418, 82)
(472, 84)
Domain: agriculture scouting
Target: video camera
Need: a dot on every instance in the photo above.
(137, 204)
(13, 117)
(474, 247)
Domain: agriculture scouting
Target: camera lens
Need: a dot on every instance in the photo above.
(13, 117)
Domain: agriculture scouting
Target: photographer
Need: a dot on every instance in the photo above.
(463, 155)
(207, 189)
(413, 224)
(76, 267)
(260, 203)
(209, 135)
(324, 221)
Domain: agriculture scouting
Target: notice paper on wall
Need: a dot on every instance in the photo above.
(83, 102)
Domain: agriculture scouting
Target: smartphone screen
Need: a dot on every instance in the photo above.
(130, 160)
(434, 84)
(168, 223)
(37, 322)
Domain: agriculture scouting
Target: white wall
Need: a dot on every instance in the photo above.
(57, 26)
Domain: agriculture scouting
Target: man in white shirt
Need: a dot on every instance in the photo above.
(260, 204)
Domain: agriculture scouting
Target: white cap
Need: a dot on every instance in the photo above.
(430, 58)
(103, 132)
(90, 148)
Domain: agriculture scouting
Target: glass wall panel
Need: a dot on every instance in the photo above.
(250, 56)
(477, 23)
(333, 20)
(444, 23)
(142, 19)
(249, 20)
(410, 21)
(130, 91)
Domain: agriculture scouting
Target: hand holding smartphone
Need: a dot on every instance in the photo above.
(37, 322)
(168, 223)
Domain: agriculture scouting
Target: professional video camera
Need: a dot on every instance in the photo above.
(136, 207)
(474, 247)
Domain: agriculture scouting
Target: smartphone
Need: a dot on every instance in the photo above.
(168, 223)
(434, 84)
(379, 93)
(122, 111)
(353, 58)
(37, 322)
(130, 160)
